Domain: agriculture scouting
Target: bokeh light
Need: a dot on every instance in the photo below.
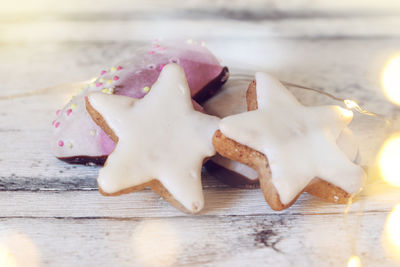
(354, 261)
(391, 80)
(17, 250)
(389, 161)
(391, 236)
(7, 258)
(155, 243)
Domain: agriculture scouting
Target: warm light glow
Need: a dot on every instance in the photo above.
(391, 80)
(389, 160)
(351, 104)
(7, 258)
(392, 233)
(347, 113)
(17, 250)
(354, 261)
(155, 243)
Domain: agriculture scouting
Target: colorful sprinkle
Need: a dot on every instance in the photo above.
(92, 132)
(162, 66)
(101, 80)
(151, 52)
(61, 143)
(109, 81)
(109, 91)
(99, 84)
(69, 111)
(52, 123)
(58, 112)
(119, 68)
(57, 124)
(103, 72)
(116, 78)
(69, 144)
(146, 89)
(73, 106)
(113, 69)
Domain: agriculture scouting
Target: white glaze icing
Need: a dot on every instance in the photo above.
(299, 141)
(231, 100)
(160, 137)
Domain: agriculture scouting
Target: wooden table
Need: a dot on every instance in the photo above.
(51, 213)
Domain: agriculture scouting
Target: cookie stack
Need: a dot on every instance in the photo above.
(150, 131)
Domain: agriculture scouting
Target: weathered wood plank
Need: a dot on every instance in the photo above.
(47, 8)
(349, 69)
(281, 240)
(219, 201)
(146, 30)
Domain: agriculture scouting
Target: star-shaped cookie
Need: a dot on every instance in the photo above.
(161, 141)
(292, 147)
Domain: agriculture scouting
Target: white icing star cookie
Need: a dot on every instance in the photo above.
(161, 141)
(299, 144)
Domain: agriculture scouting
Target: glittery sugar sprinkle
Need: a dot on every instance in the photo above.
(103, 72)
(116, 78)
(109, 91)
(109, 81)
(146, 89)
(119, 68)
(61, 143)
(113, 69)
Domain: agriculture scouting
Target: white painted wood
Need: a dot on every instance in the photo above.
(338, 46)
(279, 240)
(219, 202)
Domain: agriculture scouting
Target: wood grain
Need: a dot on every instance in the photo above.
(54, 210)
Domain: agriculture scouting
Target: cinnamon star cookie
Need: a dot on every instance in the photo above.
(161, 141)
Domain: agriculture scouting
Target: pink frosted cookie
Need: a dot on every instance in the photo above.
(77, 139)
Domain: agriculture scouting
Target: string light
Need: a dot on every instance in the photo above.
(350, 104)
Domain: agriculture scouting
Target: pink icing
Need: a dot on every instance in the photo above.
(133, 75)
